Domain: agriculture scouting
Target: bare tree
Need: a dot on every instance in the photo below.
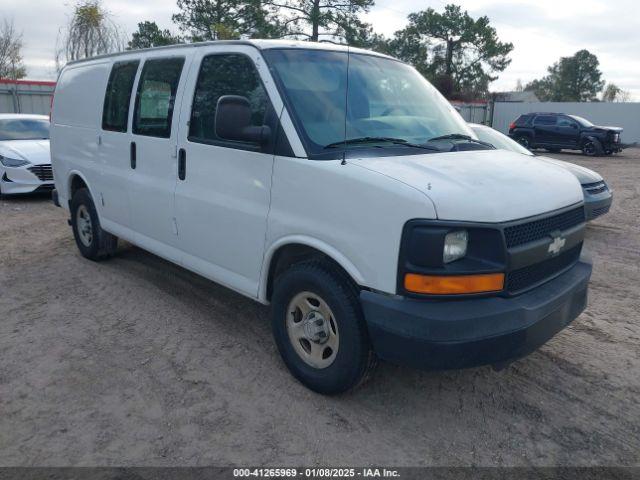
(91, 31)
(10, 52)
(613, 93)
(519, 86)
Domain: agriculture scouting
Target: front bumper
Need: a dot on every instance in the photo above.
(471, 332)
(597, 205)
(613, 146)
(20, 180)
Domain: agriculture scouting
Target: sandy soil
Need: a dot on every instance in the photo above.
(134, 361)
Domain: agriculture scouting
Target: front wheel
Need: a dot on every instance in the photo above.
(93, 242)
(319, 328)
(592, 148)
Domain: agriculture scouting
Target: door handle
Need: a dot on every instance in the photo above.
(182, 164)
(133, 155)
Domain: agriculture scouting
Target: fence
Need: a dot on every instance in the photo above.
(473, 112)
(25, 96)
(625, 115)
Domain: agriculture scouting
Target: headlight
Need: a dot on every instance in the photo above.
(455, 245)
(12, 162)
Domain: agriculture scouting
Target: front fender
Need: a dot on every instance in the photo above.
(312, 242)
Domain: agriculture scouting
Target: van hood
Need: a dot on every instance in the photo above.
(584, 175)
(482, 186)
(34, 151)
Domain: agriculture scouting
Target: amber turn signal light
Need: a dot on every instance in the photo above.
(453, 284)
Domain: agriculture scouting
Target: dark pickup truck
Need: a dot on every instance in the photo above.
(557, 131)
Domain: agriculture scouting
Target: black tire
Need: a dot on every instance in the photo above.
(592, 148)
(102, 244)
(354, 360)
(525, 141)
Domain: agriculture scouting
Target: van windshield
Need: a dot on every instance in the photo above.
(341, 97)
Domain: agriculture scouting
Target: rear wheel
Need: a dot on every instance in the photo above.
(592, 148)
(524, 141)
(319, 328)
(93, 242)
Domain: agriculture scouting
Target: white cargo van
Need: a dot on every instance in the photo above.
(335, 184)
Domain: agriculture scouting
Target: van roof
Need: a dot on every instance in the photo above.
(259, 44)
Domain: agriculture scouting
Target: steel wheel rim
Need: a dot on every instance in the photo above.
(524, 142)
(312, 329)
(84, 226)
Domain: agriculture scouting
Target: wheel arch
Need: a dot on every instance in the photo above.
(75, 181)
(523, 133)
(295, 249)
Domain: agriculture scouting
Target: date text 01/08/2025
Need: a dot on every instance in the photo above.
(315, 473)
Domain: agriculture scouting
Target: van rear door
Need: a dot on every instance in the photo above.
(152, 150)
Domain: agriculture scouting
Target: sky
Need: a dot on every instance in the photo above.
(540, 30)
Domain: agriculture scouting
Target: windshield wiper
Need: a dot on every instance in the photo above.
(395, 141)
(460, 136)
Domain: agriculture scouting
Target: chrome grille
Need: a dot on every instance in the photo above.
(594, 188)
(43, 172)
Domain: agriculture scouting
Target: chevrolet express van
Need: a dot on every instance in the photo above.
(336, 185)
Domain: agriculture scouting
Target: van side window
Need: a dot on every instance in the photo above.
(115, 111)
(228, 74)
(156, 97)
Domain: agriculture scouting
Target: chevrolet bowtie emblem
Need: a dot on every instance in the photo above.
(557, 244)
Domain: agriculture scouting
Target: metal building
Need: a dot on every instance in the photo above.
(26, 96)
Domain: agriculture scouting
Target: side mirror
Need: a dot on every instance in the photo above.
(233, 121)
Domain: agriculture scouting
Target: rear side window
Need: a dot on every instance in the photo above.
(545, 120)
(156, 96)
(565, 122)
(115, 112)
(228, 74)
(522, 120)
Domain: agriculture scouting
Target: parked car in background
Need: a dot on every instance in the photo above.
(558, 131)
(25, 161)
(597, 195)
(337, 185)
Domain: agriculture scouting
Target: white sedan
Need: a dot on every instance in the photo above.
(597, 195)
(25, 161)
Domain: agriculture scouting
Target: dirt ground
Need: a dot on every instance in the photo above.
(135, 361)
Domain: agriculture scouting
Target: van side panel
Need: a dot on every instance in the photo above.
(77, 110)
(353, 214)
